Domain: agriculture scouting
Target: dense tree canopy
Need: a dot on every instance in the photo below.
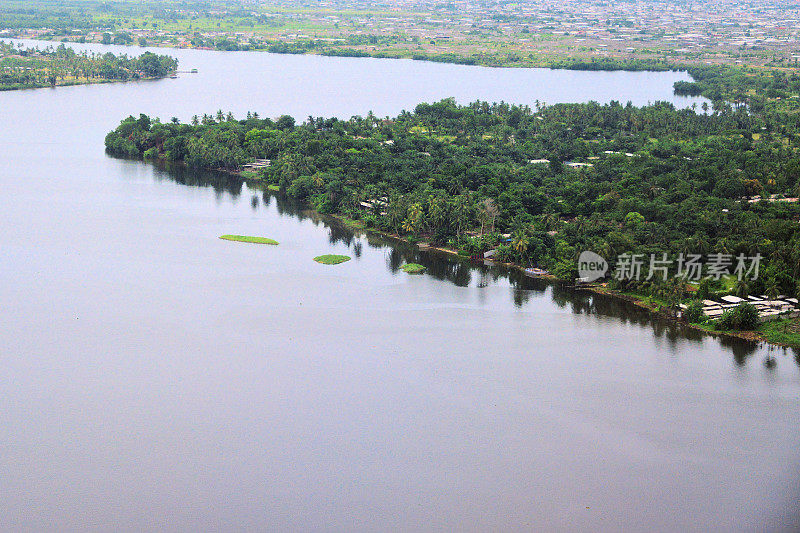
(559, 179)
(32, 67)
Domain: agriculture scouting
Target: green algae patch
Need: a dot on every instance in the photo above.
(413, 268)
(246, 238)
(331, 259)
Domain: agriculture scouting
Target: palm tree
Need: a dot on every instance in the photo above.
(673, 291)
(606, 250)
(741, 288)
(437, 211)
(395, 212)
(519, 243)
(461, 211)
(773, 289)
(455, 186)
(482, 216)
(551, 221)
(414, 219)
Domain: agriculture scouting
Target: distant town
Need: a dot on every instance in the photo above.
(754, 33)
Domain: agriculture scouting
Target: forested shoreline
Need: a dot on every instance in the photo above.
(560, 179)
(29, 68)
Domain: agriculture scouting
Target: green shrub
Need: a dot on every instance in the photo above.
(370, 220)
(503, 254)
(321, 203)
(742, 317)
(704, 289)
(301, 188)
(694, 312)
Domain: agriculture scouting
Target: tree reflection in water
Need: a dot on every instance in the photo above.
(459, 271)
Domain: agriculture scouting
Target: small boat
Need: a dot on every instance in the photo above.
(535, 272)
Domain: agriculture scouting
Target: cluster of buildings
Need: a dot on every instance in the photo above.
(719, 29)
(768, 308)
(715, 31)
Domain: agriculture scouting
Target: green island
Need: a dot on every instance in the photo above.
(246, 238)
(331, 259)
(413, 268)
(30, 68)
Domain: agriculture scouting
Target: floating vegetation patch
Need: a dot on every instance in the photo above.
(245, 238)
(413, 268)
(331, 259)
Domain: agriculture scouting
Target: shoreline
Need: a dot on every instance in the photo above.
(81, 83)
(750, 336)
(599, 64)
(356, 225)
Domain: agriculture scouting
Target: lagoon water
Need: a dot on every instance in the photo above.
(156, 378)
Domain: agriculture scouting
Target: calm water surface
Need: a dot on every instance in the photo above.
(156, 378)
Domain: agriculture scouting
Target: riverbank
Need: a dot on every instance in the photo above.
(401, 178)
(784, 333)
(73, 83)
(35, 68)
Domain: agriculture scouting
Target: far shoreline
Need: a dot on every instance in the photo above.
(618, 65)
